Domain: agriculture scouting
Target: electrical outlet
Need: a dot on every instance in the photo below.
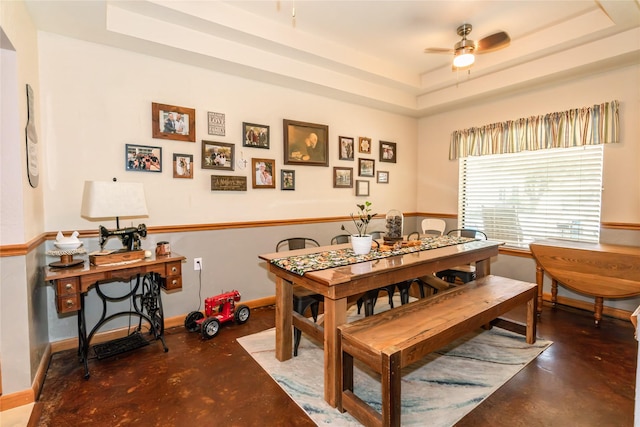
(197, 263)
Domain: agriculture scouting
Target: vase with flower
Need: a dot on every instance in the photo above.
(361, 241)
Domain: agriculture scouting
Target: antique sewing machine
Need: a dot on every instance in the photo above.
(130, 237)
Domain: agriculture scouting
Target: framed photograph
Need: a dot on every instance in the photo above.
(305, 143)
(364, 145)
(183, 165)
(342, 177)
(263, 170)
(256, 136)
(362, 187)
(388, 152)
(345, 148)
(288, 179)
(215, 123)
(218, 155)
(143, 158)
(366, 167)
(228, 183)
(171, 122)
(382, 177)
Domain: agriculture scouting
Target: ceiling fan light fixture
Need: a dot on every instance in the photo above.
(463, 58)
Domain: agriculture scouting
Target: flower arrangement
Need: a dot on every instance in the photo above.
(362, 220)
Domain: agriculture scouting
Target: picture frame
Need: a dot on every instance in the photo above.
(287, 179)
(228, 183)
(216, 123)
(362, 187)
(366, 167)
(345, 148)
(263, 172)
(305, 143)
(382, 177)
(183, 165)
(218, 155)
(388, 152)
(364, 145)
(342, 177)
(172, 122)
(255, 136)
(143, 158)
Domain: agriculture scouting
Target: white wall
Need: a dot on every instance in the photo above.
(23, 329)
(96, 99)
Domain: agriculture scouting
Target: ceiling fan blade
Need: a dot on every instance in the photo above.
(438, 50)
(493, 42)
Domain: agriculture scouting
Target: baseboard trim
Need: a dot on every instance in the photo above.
(25, 397)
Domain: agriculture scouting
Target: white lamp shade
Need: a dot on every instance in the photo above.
(102, 199)
(463, 60)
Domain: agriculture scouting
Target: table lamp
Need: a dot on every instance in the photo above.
(106, 200)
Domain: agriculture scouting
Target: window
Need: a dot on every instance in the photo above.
(521, 197)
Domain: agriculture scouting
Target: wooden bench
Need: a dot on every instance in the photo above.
(391, 340)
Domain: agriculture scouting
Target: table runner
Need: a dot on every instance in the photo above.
(300, 264)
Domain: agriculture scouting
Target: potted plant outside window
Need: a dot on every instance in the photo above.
(361, 241)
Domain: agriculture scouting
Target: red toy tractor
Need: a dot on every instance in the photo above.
(218, 310)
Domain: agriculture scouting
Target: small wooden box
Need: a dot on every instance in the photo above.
(116, 257)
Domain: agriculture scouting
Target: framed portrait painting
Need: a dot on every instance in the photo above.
(288, 179)
(171, 122)
(362, 187)
(218, 155)
(263, 170)
(345, 148)
(183, 165)
(342, 177)
(364, 145)
(143, 158)
(256, 136)
(366, 167)
(305, 143)
(388, 152)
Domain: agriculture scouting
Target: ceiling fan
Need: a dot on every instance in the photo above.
(464, 51)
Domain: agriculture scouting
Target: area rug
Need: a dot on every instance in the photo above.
(437, 391)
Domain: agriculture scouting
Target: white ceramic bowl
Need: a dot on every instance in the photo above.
(68, 245)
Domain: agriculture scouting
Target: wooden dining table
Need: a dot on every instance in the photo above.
(340, 285)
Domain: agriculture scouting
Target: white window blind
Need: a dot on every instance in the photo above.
(518, 198)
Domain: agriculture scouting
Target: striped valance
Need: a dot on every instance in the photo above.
(594, 125)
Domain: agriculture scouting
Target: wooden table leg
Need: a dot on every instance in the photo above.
(284, 310)
(554, 292)
(540, 282)
(598, 310)
(335, 314)
(483, 268)
(531, 320)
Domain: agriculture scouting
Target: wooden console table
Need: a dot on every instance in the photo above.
(72, 285)
(595, 269)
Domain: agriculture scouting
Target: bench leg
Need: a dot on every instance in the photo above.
(346, 379)
(532, 319)
(391, 393)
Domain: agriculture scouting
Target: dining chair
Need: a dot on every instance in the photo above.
(429, 225)
(340, 238)
(414, 235)
(369, 299)
(465, 273)
(377, 234)
(303, 298)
